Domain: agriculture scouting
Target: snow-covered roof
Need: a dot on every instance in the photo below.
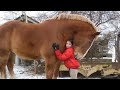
(29, 19)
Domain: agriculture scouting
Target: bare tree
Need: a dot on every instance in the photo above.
(10, 15)
(115, 37)
(44, 15)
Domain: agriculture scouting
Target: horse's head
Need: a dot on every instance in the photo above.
(76, 27)
(83, 42)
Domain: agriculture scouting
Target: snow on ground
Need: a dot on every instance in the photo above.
(26, 72)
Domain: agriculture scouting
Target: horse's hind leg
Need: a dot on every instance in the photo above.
(49, 67)
(10, 66)
(4, 54)
(3, 72)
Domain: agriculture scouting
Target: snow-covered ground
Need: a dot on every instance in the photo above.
(26, 72)
(23, 72)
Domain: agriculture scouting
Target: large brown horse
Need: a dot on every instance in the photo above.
(34, 41)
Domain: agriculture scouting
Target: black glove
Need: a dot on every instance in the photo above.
(55, 46)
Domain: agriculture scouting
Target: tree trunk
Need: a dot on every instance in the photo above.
(117, 49)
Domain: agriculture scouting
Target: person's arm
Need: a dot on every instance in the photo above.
(64, 56)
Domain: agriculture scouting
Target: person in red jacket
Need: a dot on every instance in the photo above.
(68, 57)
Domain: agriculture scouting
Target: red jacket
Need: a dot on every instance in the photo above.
(68, 58)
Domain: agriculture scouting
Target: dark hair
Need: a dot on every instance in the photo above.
(71, 40)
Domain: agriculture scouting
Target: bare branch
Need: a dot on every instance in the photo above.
(106, 21)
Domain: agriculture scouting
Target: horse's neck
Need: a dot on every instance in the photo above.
(67, 34)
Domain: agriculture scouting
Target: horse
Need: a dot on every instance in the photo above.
(34, 41)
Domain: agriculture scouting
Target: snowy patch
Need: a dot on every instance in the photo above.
(26, 72)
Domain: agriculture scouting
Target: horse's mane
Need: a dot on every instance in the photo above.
(64, 16)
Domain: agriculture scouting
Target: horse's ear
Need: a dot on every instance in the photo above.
(97, 33)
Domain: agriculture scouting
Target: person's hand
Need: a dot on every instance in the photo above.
(55, 46)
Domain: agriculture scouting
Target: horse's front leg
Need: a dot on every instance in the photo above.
(56, 69)
(49, 67)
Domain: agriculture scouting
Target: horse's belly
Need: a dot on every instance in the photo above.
(27, 55)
